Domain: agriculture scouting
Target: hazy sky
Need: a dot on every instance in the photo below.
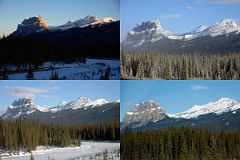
(178, 16)
(176, 96)
(54, 12)
(50, 93)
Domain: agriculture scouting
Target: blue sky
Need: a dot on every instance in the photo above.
(176, 96)
(54, 12)
(50, 93)
(178, 16)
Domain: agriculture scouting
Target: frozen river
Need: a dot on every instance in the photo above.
(87, 150)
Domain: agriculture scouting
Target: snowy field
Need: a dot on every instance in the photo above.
(87, 150)
(92, 69)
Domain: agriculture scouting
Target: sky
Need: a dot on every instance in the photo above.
(177, 16)
(50, 93)
(54, 12)
(176, 96)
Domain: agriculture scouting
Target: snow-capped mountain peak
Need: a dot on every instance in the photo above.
(21, 106)
(27, 106)
(62, 103)
(223, 27)
(141, 114)
(152, 31)
(81, 102)
(83, 22)
(223, 105)
(227, 22)
(36, 24)
(149, 31)
(97, 102)
(30, 25)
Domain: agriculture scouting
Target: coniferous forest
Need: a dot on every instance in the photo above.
(26, 135)
(180, 144)
(68, 46)
(147, 65)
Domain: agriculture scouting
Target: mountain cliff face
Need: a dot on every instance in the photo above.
(149, 31)
(150, 34)
(222, 114)
(81, 110)
(20, 107)
(143, 113)
(30, 25)
(36, 25)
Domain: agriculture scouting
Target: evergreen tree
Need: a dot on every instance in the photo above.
(30, 74)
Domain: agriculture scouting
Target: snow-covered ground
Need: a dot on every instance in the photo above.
(92, 69)
(87, 150)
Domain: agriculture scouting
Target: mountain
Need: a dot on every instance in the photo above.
(83, 110)
(150, 31)
(36, 24)
(203, 39)
(220, 115)
(74, 40)
(219, 107)
(143, 113)
(29, 26)
(20, 107)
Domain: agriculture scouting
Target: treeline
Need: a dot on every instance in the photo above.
(20, 52)
(179, 144)
(26, 135)
(147, 65)
(65, 46)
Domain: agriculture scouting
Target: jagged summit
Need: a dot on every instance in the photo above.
(36, 24)
(141, 114)
(151, 31)
(227, 22)
(30, 25)
(27, 106)
(222, 105)
(150, 111)
(148, 25)
(19, 107)
(84, 22)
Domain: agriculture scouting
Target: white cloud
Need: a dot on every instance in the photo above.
(53, 85)
(23, 91)
(228, 1)
(199, 87)
(166, 16)
(189, 7)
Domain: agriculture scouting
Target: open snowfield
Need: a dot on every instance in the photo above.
(87, 150)
(92, 69)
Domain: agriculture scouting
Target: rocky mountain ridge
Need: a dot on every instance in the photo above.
(221, 111)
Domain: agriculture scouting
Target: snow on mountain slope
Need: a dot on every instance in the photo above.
(36, 24)
(78, 23)
(152, 31)
(223, 105)
(84, 22)
(19, 107)
(58, 107)
(141, 114)
(223, 27)
(83, 102)
(150, 111)
(27, 106)
(149, 31)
